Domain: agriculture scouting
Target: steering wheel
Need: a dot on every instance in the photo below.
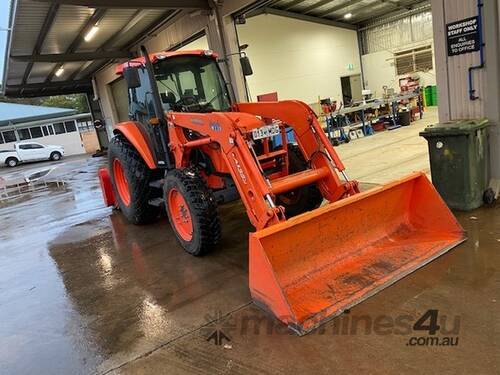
(187, 100)
(188, 103)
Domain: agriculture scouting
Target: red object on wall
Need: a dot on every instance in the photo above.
(269, 97)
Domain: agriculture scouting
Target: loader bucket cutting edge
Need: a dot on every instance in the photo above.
(313, 267)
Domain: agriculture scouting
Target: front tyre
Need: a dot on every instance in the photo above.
(55, 156)
(192, 211)
(12, 162)
(131, 178)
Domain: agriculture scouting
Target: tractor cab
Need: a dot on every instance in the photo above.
(187, 81)
(191, 84)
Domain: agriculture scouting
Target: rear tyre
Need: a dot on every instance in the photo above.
(304, 199)
(192, 211)
(11, 162)
(55, 156)
(131, 178)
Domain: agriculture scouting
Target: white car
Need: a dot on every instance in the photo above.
(30, 151)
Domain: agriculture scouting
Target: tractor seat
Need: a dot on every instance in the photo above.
(168, 100)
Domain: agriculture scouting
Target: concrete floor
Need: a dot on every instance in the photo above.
(82, 291)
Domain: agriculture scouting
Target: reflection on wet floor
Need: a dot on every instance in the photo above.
(83, 291)
(139, 282)
(23, 185)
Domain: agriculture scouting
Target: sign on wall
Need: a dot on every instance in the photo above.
(463, 36)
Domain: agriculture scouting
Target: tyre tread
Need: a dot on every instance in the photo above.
(203, 207)
(139, 211)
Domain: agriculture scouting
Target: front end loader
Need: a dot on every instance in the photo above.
(320, 245)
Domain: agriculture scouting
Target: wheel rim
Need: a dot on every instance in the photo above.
(12, 163)
(121, 182)
(56, 157)
(180, 214)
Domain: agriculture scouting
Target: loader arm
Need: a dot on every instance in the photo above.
(312, 141)
(228, 130)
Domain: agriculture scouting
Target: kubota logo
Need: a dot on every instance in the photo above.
(240, 170)
(215, 126)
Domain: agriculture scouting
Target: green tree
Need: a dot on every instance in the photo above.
(76, 101)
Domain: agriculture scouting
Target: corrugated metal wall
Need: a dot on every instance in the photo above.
(394, 35)
(452, 71)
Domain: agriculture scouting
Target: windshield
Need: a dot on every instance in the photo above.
(191, 84)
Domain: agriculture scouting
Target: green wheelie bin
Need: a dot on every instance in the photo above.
(459, 157)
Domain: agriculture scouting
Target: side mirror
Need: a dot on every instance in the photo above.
(246, 67)
(131, 75)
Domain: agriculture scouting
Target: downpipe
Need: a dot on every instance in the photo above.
(472, 91)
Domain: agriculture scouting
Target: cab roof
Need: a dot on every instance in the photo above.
(154, 57)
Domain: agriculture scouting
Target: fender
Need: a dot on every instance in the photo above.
(132, 131)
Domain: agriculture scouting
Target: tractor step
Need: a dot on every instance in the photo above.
(156, 202)
(157, 184)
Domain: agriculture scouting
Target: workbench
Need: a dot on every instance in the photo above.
(359, 109)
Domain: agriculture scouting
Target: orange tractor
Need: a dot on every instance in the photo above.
(188, 148)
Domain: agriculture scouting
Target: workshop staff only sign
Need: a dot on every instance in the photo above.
(463, 36)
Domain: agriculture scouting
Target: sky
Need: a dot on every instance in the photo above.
(4, 23)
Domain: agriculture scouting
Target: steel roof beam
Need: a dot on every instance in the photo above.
(339, 7)
(47, 23)
(397, 4)
(373, 16)
(304, 17)
(137, 17)
(56, 90)
(292, 4)
(395, 16)
(50, 85)
(91, 22)
(134, 4)
(392, 6)
(309, 9)
(168, 18)
(71, 57)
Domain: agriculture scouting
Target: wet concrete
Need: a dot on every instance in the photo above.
(82, 291)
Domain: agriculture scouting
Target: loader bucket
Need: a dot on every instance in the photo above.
(313, 267)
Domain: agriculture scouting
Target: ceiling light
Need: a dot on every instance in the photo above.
(91, 33)
(347, 16)
(60, 71)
